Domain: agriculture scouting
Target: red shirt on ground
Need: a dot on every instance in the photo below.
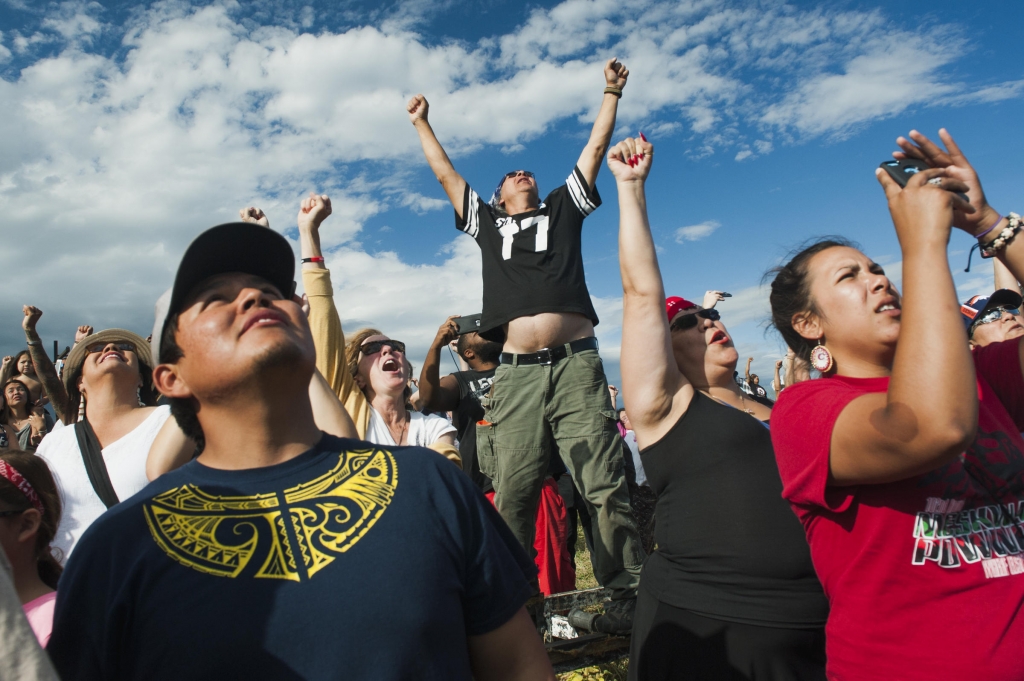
(925, 576)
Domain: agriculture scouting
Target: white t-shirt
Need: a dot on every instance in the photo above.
(641, 477)
(126, 466)
(424, 430)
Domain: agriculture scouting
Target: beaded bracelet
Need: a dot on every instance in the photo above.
(1013, 226)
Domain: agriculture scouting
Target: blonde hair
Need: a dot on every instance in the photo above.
(352, 350)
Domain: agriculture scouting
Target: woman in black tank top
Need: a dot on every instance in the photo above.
(730, 591)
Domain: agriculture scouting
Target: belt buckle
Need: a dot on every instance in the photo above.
(544, 357)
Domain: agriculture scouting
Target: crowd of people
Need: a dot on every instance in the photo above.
(252, 492)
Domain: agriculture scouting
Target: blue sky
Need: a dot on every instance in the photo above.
(127, 128)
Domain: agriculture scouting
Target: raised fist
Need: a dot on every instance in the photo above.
(630, 160)
(615, 73)
(32, 315)
(254, 215)
(7, 361)
(417, 108)
(313, 210)
(83, 332)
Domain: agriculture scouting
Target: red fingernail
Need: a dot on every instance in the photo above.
(642, 137)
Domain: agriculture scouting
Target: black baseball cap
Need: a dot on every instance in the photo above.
(231, 247)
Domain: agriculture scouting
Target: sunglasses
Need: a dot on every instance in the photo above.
(994, 315)
(4, 514)
(688, 321)
(373, 347)
(124, 346)
(513, 173)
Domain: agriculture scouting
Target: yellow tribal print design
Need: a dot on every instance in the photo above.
(315, 521)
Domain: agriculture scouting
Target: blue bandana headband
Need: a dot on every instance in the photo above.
(496, 196)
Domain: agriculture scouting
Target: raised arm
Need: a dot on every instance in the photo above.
(615, 75)
(912, 428)
(45, 371)
(777, 381)
(437, 393)
(324, 321)
(746, 370)
(454, 185)
(6, 369)
(1003, 278)
(651, 380)
(984, 222)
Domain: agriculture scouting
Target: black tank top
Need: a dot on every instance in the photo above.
(728, 545)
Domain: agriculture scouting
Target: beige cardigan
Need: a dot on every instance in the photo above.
(329, 339)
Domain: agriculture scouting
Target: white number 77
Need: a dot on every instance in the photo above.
(510, 229)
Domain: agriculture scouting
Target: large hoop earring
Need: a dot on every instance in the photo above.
(821, 358)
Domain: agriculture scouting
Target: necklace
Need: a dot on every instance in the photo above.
(743, 401)
(405, 429)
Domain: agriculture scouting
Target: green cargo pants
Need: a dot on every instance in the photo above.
(533, 408)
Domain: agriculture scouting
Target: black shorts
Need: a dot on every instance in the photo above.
(673, 644)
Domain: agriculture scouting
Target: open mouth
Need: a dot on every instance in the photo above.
(390, 365)
(111, 355)
(718, 337)
(890, 306)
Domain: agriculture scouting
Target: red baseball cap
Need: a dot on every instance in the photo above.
(674, 305)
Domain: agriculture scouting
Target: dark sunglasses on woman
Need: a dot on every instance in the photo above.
(123, 346)
(513, 173)
(373, 347)
(688, 321)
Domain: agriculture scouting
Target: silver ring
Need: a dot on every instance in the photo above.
(937, 181)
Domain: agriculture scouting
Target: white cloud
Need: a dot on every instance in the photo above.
(697, 232)
(743, 155)
(893, 72)
(111, 163)
(422, 204)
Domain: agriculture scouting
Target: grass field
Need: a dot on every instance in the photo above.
(615, 671)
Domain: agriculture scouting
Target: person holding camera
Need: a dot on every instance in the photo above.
(462, 393)
(910, 496)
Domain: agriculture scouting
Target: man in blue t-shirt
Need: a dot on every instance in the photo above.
(282, 552)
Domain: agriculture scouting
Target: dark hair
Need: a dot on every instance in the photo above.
(791, 292)
(6, 414)
(486, 351)
(147, 393)
(35, 470)
(17, 358)
(182, 409)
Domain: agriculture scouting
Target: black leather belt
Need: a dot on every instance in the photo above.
(549, 355)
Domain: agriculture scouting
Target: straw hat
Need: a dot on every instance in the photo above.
(73, 364)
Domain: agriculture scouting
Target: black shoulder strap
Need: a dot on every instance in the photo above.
(92, 455)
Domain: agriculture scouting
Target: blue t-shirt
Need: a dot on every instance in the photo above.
(349, 561)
